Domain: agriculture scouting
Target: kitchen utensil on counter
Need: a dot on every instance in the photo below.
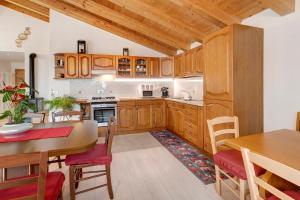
(164, 92)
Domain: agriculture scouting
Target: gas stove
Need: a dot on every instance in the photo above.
(104, 99)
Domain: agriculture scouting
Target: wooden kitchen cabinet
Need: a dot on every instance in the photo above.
(124, 66)
(233, 77)
(85, 66)
(126, 116)
(178, 64)
(187, 63)
(158, 114)
(167, 67)
(154, 67)
(197, 61)
(140, 67)
(143, 117)
(103, 62)
(71, 65)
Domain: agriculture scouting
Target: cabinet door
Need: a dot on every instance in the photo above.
(71, 66)
(218, 66)
(197, 61)
(124, 66)
(178, 65)
(187, 64)
(158, 115)
(167, 67)
(179, 122)
(215, 108)
(106, 62)
(140, 67)
(85, 66)
(154, 67)
(170, 118)
(126, 117)
(143, 117)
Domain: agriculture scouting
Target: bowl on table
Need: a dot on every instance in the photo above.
(13, 129)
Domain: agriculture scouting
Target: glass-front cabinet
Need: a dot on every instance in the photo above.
(124, 66)
(141, 67)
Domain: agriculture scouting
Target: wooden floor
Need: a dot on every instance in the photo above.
(142, 169)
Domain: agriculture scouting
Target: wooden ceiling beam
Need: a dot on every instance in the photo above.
(25, 11)
(152, 13)
(129, 22)
(106, 25)
(282, 7)
(209, 9)
(31, 6)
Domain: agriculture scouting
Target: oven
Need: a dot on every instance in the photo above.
(101, 111)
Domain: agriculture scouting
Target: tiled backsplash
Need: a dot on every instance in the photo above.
(107, 85)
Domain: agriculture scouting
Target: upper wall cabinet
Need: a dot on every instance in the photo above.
(103, 62)
(154, 67)
(167, 67)
(190, 63)
(124, 66)
(85, 66)
(140, 67)
(71, 65)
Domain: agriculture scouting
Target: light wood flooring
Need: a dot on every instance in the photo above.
(142, 169)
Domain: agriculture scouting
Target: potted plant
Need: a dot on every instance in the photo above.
(64, 103)
(18, 104)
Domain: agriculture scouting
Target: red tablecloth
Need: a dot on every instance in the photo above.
(35, 134)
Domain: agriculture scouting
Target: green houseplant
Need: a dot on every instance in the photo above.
(17, 101)
(65, 103)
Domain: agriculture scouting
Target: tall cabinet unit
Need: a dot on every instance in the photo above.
(233, 78)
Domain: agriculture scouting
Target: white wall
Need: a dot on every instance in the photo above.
(281, 67)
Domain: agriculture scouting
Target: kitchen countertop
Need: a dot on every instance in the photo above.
(192, 102)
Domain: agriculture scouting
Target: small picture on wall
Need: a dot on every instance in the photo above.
(81, 46)
(125, 52)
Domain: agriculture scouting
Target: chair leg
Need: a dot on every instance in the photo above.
(72, 182)
(78, 175)
(109, 185)
(242, 189)
(59, 162)
(218, 180)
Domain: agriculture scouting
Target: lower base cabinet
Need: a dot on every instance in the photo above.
(126, 116)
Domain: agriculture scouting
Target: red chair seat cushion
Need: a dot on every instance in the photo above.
(54, 183)
(295, 195)
(96, 156)
(231, 161)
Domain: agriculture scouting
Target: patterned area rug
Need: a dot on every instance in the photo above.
(198, 163)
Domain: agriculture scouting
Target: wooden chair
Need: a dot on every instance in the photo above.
(99, 155)
(64, 116)
(42, 186)
(298, 122)
(228, 162)
(67, 116)
(36, 117)
(292, 175)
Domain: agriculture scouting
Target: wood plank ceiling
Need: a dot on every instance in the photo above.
(163, 25)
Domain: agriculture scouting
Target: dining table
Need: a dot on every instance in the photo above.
(83, 137)
(280, 145)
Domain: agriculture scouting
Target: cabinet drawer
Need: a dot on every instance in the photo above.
(143, 102)
(126, 103)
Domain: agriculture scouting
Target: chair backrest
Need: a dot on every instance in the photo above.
(298, 122)
(287, 173)
(26, 160)
(111, 129)
(217, 136)
(66, 116)
(36, 117)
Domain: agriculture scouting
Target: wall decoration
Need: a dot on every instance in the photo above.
(125, 52)
(22, 37)
(81, 46)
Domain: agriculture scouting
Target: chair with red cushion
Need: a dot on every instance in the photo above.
(228, 162)
(42, 186)
(292, 175)
(99, 155)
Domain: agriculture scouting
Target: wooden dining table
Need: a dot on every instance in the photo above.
(83, 137)
(280, 145)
